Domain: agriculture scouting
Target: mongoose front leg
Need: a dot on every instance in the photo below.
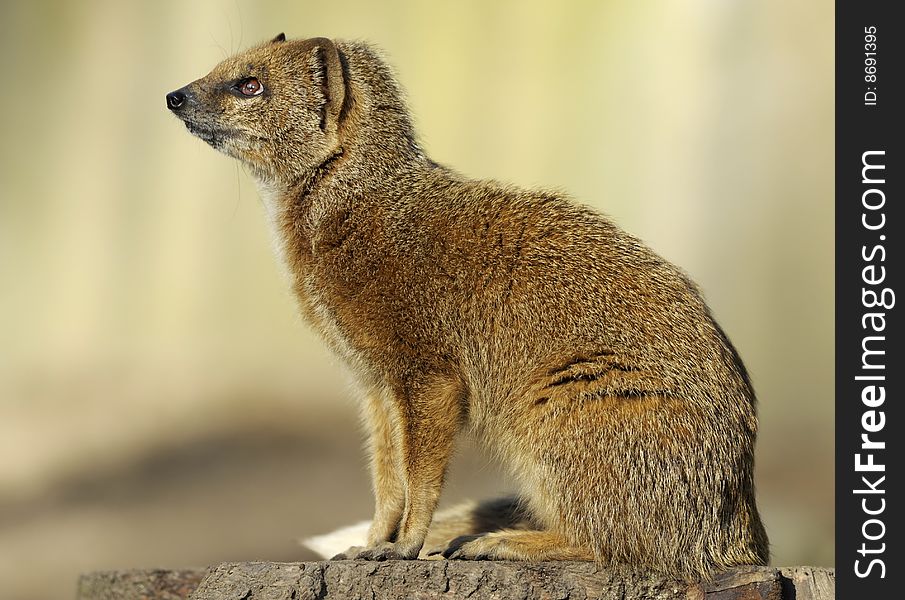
(386, 478)
(428, 417)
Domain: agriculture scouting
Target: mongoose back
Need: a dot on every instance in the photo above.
(588, 364)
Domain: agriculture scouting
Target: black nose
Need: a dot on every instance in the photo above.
(175, 100)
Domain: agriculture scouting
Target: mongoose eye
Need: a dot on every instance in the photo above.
(251, 87)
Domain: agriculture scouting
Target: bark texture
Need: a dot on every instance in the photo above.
(450, 579)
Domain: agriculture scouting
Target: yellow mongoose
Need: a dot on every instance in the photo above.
(587, 363)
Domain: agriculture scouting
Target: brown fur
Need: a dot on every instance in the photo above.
(587, 363)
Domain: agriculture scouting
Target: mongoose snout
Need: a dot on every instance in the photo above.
(175, 100)
(590, 365)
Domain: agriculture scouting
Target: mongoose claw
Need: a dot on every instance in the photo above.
(347, 553)
(380, 552)
(433, 552)
(469, 547)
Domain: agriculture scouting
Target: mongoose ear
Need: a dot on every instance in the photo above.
(281, 37)
(328, 73)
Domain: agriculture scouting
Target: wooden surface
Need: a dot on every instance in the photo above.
(450, 579)
(153, 584)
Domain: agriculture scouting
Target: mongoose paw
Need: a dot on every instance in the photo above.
(434, 552)
(471, 547)
(516, 545)
(380, 552)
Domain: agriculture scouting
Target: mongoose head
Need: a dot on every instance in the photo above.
(276, 107)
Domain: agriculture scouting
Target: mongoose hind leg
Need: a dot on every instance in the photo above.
(472, 519)
(510, 544)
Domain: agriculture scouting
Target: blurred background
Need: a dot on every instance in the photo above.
(161, 402)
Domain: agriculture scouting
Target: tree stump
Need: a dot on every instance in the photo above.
(422, 579)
